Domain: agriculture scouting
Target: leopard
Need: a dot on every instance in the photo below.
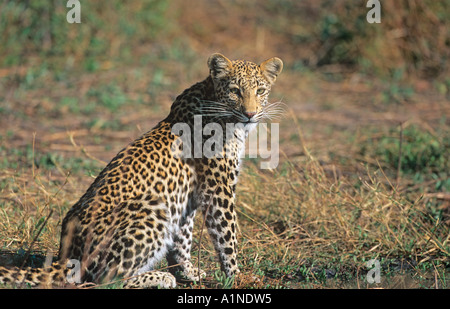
(141, 207)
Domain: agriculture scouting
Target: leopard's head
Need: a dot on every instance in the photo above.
(242, 88)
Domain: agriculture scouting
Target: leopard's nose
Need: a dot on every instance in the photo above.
(249, 114)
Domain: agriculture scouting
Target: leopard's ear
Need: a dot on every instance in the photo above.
(219, 65)
(271, 68)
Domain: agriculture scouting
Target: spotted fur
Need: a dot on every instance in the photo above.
(141, 207)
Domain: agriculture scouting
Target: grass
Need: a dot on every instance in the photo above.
(318, 227)
(302, 225)
(363, 170)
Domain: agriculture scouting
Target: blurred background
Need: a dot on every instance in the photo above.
(361, 98)
(125, 63)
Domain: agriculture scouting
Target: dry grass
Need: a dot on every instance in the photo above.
(318, 216)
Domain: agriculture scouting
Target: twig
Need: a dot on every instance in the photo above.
(40, 230)
(27, 255)
(83, 150)
(399, 164)
(385, 176)
(33, 167)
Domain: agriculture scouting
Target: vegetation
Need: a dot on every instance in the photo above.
(364, 144)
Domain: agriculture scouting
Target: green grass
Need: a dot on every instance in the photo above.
(34, 28)
(418, 151)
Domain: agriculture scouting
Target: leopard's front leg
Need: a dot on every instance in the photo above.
(179, 257)
(221, 222)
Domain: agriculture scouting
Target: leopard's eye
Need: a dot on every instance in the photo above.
(235, 91)
(260, 91)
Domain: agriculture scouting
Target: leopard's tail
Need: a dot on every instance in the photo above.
(55, 275)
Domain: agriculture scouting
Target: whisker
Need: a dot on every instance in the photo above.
(213, 103)
(239, 116)
(219, 111)
(215, 115)
(211, 109)
(273, 110)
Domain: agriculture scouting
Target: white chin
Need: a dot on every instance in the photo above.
(250, 126)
